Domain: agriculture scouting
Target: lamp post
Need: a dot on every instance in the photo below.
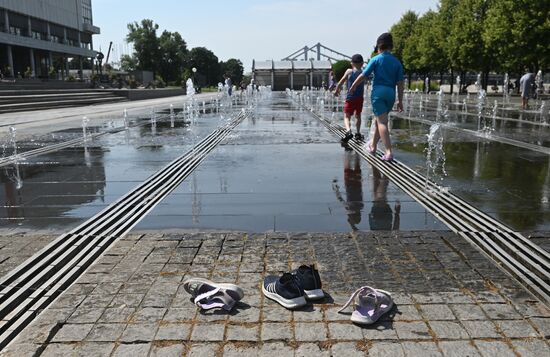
(194, 70)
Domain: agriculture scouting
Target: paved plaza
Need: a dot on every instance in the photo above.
(449, 298)
(411, 181)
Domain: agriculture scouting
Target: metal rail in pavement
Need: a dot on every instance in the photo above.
(33, 285)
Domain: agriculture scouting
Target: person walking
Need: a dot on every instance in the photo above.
(525, 85)
(229, 85)
(354, 98)
(388, 73)
(331, 81)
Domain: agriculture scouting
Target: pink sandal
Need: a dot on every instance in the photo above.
(387, 157)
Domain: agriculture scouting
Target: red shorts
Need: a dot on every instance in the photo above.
(354, 105)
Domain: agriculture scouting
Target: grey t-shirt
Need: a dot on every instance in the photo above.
(525, 84)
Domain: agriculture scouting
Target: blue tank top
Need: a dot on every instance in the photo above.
(358, 92)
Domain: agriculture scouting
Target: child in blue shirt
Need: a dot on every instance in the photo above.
(388, 73)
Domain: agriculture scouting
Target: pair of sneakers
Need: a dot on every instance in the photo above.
(292, 290)
(349, 135)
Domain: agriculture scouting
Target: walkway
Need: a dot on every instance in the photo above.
(35, 122)
(450, 300)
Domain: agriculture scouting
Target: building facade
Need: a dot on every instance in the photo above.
(39, 38)
(291, 74)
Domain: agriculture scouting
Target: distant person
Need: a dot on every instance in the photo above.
(331, 81)
(525, 86)
(229, 85)
(354, 98)
(254, 86)
(381, 217)
(388, 73)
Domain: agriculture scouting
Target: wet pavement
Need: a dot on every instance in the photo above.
(29, 124)
(283, 171)
(450, 300)
(511, 184)
(280, 171)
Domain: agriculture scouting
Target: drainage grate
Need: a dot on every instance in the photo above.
(33, 285)
(513, 252)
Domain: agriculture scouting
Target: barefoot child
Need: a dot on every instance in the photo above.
(354, 98)
(388, 73)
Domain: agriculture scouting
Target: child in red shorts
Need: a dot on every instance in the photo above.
(354, 99)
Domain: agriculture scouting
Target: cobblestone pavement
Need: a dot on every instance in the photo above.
(449, 298)
(16, 248)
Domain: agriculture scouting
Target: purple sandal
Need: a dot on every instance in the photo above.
(369, 305)
(387, 157)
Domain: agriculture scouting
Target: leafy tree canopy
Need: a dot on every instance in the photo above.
(146, 44)
(234, 69)
(519, 33)
(402, 32)
(128, 63)
(206, 63)
(339, 68)
(475, 35)
(173, 52)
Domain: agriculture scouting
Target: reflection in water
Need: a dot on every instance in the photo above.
(381, 217)
(477, 161)
(354, 188)
(509, 182)
(196, 206)
(12, 188)
(52, 189)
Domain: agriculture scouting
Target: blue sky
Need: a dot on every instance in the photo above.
(260, 29)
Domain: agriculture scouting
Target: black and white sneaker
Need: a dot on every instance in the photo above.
(285, 290)
(310, 281)
(347, 137)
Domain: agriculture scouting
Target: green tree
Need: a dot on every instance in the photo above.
(339, 68)
(146, 44)
(446, 10)
(426, 45)
(128, 63)
(173, 51)
(206, 63)
(402, 35)
(466, 48)
(234, 69)
(519, 33)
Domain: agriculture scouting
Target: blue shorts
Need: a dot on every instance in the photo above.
(382, 99)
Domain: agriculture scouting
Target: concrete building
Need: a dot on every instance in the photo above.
(291, 74)
(37, 36)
